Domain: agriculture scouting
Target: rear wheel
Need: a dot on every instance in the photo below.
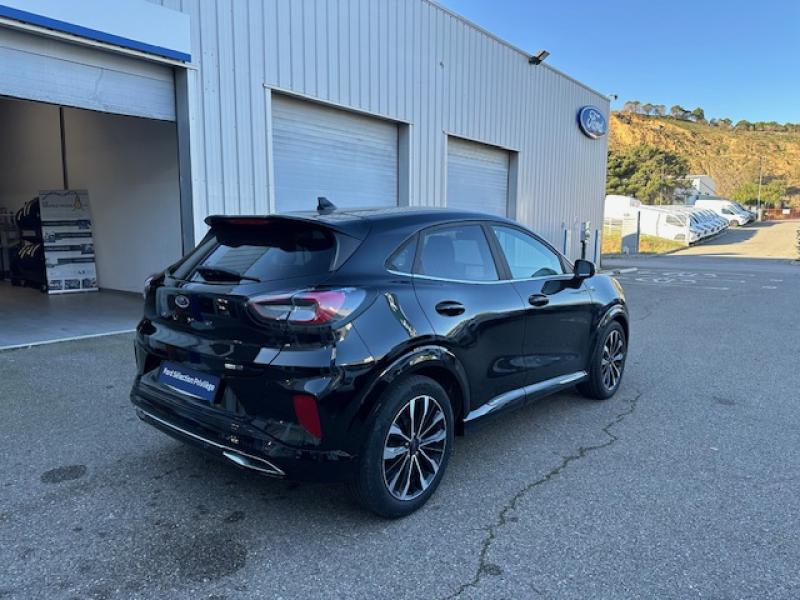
(607, 364)
(407, 448)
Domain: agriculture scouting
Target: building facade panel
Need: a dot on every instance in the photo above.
(410, 61)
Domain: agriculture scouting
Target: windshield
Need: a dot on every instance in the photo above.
(278, 250)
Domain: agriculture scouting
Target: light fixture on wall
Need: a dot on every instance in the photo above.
(539, 57)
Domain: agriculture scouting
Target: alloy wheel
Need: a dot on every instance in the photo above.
(612, 359)
(414, 447)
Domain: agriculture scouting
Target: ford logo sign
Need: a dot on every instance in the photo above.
(181, 302)
(592, 122)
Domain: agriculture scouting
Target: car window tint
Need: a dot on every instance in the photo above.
(674, 221)
(458, 252)
(269, 252)
(526, 256)
(402, 260)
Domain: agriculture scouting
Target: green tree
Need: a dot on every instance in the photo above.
(647, 173)
(699, 115)
(632, 106)
(678, 111)
(647, 108)
(744, 124)
(659, 110)
(772, 192)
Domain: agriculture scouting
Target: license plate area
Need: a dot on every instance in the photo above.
(189, 382)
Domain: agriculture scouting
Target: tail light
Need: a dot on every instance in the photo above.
(308, 307)
(151, 282)
(305, 407)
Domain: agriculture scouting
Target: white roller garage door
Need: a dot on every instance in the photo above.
(319, 151)
(477, 177)
(39, 68)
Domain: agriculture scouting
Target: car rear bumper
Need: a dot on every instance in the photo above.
(228, 439)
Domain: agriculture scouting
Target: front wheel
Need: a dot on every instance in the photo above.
(407, 448)
(607, 363)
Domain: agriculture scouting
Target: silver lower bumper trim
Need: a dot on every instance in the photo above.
(243, 459)
(550, 385)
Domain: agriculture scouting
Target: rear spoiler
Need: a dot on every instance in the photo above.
(351, 226)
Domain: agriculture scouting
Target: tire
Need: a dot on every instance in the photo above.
(602, 382)
(396, 486)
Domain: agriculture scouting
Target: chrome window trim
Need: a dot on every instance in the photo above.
(431, 278)
(562, 277)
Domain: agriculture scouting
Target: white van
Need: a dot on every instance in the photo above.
(667, 224)
(727, 210)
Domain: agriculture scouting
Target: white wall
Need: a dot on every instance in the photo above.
(130, 167)
(406, 60)
(30, 151)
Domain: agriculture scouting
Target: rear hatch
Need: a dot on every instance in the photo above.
(209, 304)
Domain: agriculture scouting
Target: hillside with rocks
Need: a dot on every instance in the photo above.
(730, 155)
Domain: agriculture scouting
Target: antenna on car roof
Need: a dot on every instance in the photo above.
(324, 205)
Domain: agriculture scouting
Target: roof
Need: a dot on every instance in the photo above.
(358, 222)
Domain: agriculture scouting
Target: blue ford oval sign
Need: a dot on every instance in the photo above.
(592, 122)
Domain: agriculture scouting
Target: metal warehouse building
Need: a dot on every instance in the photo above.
(166, 112)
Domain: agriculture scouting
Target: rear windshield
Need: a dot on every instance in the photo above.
(277, 250)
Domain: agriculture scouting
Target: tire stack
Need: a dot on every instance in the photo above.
(27, 262)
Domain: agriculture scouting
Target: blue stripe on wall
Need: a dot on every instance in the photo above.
(92, 34)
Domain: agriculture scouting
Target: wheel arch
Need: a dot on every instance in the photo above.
(617, 313)
(433, 361)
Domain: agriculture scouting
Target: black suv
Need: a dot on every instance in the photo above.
(353, 345)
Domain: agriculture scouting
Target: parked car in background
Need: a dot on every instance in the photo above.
(716, 220)
(354, 345)
(666, 224)
(733, 212)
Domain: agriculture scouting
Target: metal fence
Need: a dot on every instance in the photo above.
(780, 214)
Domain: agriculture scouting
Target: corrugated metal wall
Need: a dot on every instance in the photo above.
(406, 60)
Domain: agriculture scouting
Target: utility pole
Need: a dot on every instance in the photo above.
(760, 177)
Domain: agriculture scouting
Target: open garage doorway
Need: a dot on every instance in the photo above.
(129, 168)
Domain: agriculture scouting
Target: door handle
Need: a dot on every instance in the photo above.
(538, 300)
(450, 308)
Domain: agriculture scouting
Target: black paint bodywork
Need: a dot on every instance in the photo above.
(499, 346)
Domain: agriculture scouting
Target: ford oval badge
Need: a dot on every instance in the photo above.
(592, 122)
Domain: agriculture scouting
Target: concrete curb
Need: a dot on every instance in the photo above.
(618, 271)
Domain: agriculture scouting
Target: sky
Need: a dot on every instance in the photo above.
(738, 59)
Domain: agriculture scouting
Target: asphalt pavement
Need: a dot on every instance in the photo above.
(686, 484)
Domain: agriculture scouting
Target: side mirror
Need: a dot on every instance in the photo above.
(583, 269)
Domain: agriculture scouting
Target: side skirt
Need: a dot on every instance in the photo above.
(513, 397)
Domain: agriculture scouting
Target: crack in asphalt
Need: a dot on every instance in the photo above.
(502, 516)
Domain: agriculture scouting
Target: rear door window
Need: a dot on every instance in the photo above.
(459, 252)
(278, 250)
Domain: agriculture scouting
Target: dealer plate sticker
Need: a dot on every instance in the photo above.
(188, 381)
